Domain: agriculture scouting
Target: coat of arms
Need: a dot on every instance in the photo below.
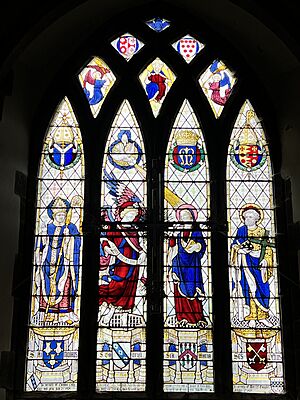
(188, 47)
(63, 148)
(187, 154)
(53, 353)
(121, 354)
(257, 355)
(248, 152)
(127, 45)
(188, 355)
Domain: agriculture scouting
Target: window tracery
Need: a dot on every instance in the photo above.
(187, 281)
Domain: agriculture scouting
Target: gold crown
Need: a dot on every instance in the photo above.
(186, 137)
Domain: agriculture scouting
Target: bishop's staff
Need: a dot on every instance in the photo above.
(77, 201)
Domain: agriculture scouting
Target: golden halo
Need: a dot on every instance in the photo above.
(252, 206)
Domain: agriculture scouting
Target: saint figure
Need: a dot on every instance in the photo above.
(220, 88)
(156, 82)
(252, 256)
(94, 78)
(121, 253)
(186, 249)
(58, 259)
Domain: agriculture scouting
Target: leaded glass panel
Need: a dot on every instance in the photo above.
(96, 79)
(188, 47)
(121, 343)
(127, 45)
(52, 349)
(253, 272)
(158, 24)
(217, 83)
(157, 80)
(188, 346)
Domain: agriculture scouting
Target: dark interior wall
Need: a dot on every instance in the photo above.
(42, 36)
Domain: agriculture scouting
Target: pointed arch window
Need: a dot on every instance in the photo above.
(188, 345)
(155, 126)
(254, 288)
(121, 340)
(53, 337)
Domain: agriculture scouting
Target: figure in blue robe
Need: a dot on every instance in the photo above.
(252, 255)
(58, 265)
(97, 95)
(186, 251)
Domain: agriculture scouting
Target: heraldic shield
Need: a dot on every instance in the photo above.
(257, 355)
(127, 45)
(186, 157)
(187, 153)
(53, 353)
(188, 355)
(188, 47)
(248, 156)
(121, 354)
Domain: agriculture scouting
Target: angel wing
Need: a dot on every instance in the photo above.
(119, 190)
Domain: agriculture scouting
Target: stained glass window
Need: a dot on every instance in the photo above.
(127, 45)
(158, 24)
(217, 83)
(96, 80)
(254, 287)
(157, 80)
(52, 349)
(188, 353)
(188, 47)
(175, 239)
(121, 342)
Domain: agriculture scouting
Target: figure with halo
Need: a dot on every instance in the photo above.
(252, 257)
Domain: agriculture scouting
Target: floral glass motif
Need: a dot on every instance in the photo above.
(217, 83)
(254, 287)
(157, 80)
(121, 343)
(127, 45)
(158, 24)
(52, 349)
(188, 347)
(96, 80)
(188, 47)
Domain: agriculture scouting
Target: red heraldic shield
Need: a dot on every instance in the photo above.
(188, 47)
(127, 45)
(248, 155)
(257, 354)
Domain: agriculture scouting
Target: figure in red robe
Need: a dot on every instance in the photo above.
(215, 88)
(156, 82)
(120, 251)
(185, 253)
